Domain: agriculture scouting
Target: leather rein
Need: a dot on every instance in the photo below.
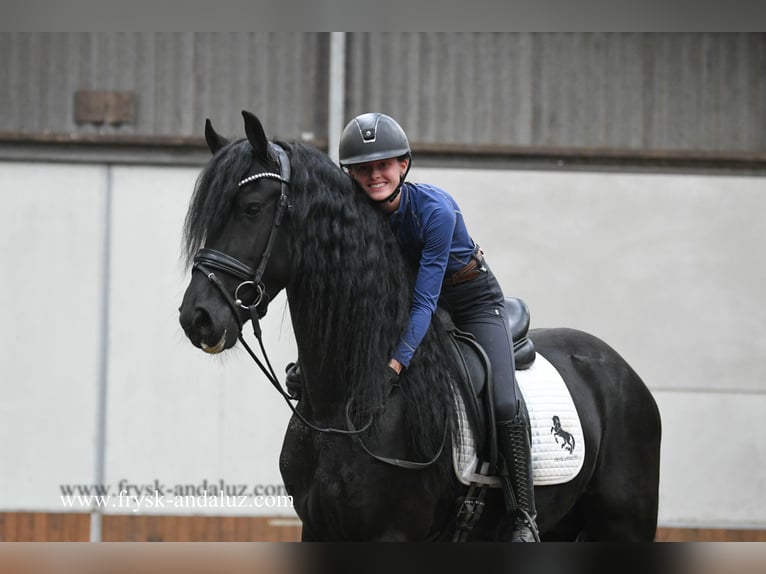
(208, 261)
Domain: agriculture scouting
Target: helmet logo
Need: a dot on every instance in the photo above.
(369, 134)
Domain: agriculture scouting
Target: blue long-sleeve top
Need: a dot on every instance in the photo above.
(430, 228)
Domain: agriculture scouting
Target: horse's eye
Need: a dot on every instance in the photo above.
(253, 209)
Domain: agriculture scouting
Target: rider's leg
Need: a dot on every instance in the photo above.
(477, 307)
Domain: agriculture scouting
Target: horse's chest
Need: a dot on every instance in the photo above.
(324, 478)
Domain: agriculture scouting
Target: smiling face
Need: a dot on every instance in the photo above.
(380, 178)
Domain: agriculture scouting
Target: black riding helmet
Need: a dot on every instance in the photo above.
(374, 136)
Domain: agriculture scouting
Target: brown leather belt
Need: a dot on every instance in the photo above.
(470, 270)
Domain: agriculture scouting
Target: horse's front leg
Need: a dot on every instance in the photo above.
(307, 535)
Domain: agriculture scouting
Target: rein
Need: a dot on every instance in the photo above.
(208, 261)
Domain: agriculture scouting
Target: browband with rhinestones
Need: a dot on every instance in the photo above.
(268, 174)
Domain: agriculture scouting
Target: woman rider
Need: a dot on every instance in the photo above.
(452, 271)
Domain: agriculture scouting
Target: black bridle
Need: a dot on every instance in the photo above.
(208, 261)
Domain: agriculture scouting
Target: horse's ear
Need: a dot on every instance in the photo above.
(255, 135)
(214, 140)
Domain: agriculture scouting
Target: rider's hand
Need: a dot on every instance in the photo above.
(392, 381)
(294, 380)
(396, 366)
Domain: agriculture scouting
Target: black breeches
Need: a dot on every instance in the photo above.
(477, 307)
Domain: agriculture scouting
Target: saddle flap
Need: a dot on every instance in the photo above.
(472, 382)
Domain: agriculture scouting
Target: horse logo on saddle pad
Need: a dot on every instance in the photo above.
(567, 440)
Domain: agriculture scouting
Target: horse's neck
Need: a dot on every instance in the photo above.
(323, 388)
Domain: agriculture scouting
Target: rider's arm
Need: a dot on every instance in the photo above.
(438, 231)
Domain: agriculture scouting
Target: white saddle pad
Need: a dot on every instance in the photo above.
(558, 449)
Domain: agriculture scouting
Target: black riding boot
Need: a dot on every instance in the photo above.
(516, 468)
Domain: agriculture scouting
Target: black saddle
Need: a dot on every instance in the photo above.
(518, 319)
(476, 372)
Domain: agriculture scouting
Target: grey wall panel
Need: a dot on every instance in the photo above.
(704, 91)
(601, 90)
(52, 248)
(690, 421)
(445, 87)
(660, 266)
(178, 80)
(699, 92)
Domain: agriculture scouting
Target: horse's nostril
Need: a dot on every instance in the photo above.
(201, 320)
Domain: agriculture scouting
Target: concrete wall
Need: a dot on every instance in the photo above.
(94, 280)
(663, 267)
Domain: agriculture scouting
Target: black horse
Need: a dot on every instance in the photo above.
(284, 216)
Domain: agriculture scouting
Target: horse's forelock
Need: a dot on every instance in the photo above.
(214, 190)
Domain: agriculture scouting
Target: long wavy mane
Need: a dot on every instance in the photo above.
(214, 193)
(352, 288)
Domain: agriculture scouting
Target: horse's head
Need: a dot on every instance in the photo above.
(233, 236)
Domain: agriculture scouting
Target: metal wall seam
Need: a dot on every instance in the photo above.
(336, 110)
(99, 471)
